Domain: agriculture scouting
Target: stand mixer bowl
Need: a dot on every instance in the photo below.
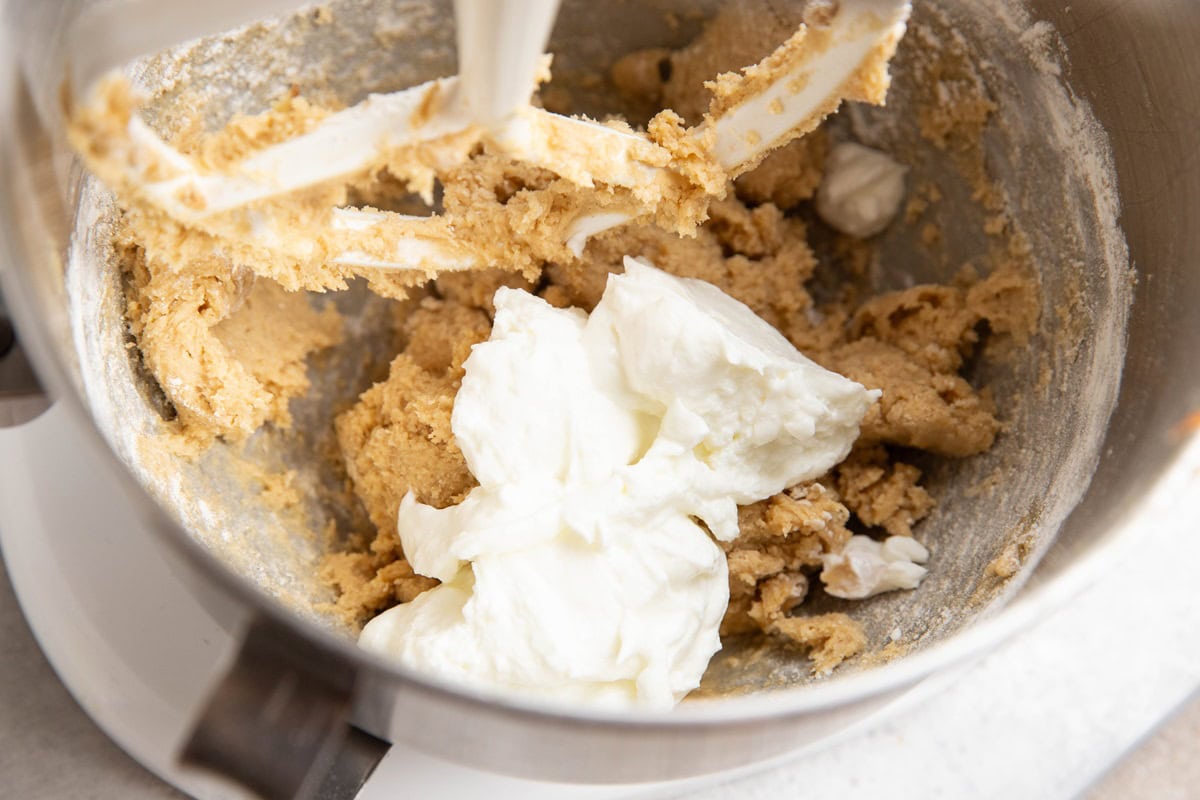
(1082, 449)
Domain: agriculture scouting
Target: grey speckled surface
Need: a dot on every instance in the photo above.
(1163, 767)
(49, 749)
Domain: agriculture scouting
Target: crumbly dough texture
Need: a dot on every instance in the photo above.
(910, 344)
(229, 349)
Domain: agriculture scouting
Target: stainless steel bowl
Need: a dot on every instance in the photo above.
(1104, 425)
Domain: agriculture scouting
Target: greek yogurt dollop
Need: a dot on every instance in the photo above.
(862, 190)
(609, 451)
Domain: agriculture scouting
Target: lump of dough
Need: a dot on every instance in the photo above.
(397, 437)
(934, 411)
(881, 491)
(934, 325)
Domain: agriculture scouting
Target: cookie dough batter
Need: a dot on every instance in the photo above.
(910, 344)
(229, 348)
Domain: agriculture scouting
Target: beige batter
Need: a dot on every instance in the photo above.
(229, 348)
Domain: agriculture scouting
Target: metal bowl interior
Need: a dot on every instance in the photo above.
(1060, 390)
